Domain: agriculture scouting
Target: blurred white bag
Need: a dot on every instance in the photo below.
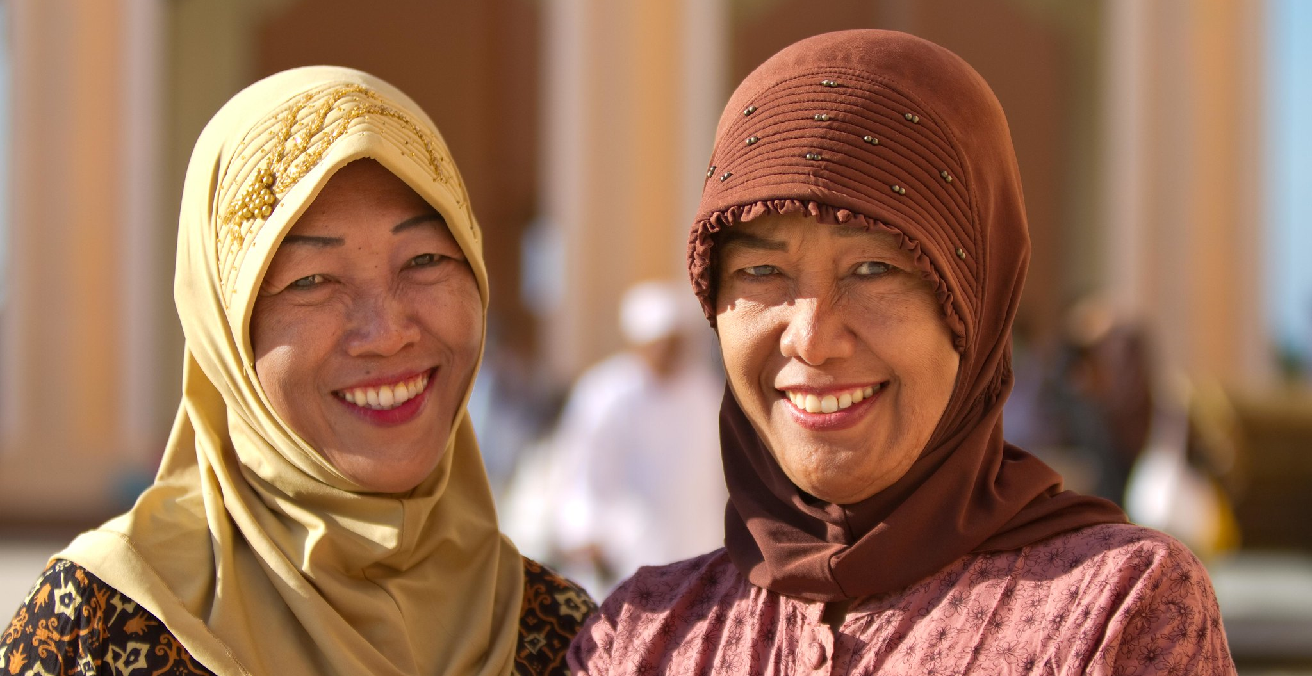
(1167, 493)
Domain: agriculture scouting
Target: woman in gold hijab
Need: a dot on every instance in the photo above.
(321, 507)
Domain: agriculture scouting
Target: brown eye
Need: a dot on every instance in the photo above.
(308, 282)
(872, 269)
(760, 270)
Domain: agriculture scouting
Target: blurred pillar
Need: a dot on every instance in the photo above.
(76, 407)
(479, 84)
(1182, 207)
(632, 92)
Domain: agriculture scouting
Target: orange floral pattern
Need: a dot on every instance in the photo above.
(552, 613)
(73, 624)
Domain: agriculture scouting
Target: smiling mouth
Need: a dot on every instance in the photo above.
(385, 397)
(833, 401)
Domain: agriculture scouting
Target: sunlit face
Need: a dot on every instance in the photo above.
(836, 349)
(367, 329)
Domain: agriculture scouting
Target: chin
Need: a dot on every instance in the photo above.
(834, 486)
(390, 484)
(843, 484)
(393, 477)
(837, 497)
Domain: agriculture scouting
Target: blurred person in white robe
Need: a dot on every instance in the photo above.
(636, 457)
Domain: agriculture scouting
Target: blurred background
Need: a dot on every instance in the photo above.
(1164, 342)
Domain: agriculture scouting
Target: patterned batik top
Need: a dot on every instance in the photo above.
(1111, 599)
(72, 623)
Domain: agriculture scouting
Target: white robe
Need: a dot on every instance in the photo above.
(637, 462)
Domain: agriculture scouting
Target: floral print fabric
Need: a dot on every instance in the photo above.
(553, 612)
(1105, 600)
(72, 623)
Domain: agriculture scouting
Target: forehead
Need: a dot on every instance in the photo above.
(361, 191)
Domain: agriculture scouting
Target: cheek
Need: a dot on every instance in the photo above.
(746, 344)
(290, 345)
(276, 371)
(947, 364)
(454, 315)
(271, 346)
(935, 363)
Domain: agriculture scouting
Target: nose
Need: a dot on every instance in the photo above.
(382, 325)
(816, 331)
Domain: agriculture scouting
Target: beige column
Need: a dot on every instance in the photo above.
(62, 412)
(633, 90)
(147, 244)
(107, 98)
(1182, 212)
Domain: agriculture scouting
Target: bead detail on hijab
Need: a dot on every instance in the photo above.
(792, 128)
(292, 142)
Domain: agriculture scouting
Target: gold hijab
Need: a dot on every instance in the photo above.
(250, 547)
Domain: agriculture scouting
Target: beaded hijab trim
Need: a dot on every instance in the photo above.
(283, 149)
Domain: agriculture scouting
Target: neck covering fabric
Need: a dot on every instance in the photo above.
(883, 130)
(257, 554)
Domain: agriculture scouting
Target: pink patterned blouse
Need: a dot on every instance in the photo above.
(1110, 599)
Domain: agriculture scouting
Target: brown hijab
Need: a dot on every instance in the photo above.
(883, 130)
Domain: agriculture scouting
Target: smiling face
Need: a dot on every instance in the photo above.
(836, 349)
(367, 329)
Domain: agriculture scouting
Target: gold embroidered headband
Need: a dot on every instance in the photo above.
(292, 141)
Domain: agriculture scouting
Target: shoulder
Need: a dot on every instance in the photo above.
(663, 608)
(79, 624)
(1154, 598)
(553, 612)
(658, 588)
(1124, 551)
(1124, 565)
(599, 390)
(613, 375)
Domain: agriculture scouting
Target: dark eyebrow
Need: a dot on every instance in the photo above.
(325, 242)
(852, 231)
(750, 241)
(313, 240)
(418, 220)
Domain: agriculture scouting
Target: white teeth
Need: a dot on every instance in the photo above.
(829, 403)
(386, 396)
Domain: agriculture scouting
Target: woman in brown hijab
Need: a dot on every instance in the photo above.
(860, 248)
